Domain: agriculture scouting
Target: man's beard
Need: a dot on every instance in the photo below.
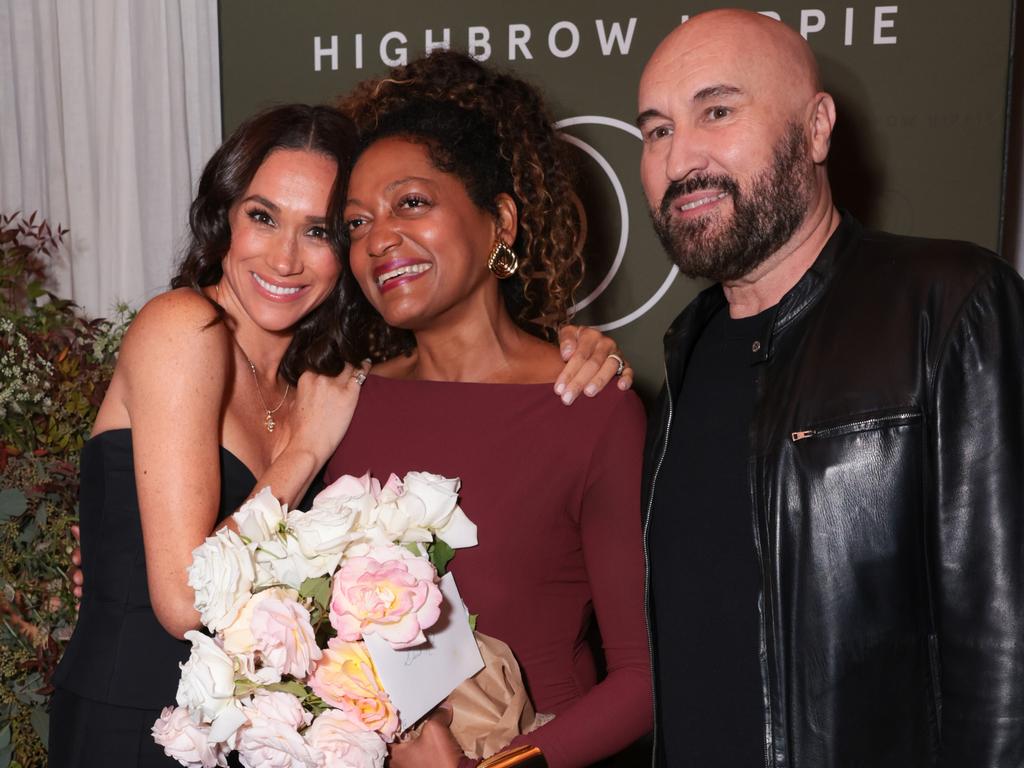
(764, 217)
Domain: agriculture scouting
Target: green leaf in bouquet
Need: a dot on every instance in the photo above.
(440, 555)
(415, 548)
(294, 687)
(245, 687)
(318, 589)
(12, 503)
(472, 621)
(315, 704)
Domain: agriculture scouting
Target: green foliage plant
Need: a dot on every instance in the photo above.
(55, 364)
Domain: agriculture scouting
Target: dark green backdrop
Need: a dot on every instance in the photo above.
(921, 89)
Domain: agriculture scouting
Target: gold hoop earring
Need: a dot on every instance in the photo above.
(503, 262)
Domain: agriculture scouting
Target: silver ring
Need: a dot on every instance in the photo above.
(359, 376)
(622, 364)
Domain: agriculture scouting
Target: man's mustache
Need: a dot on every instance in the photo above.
(687, 186)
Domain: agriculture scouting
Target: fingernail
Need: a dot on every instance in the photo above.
(559, 388)
(591, 390)
(567, 398)
(566, 351)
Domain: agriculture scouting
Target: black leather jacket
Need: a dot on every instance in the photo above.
(888, 493)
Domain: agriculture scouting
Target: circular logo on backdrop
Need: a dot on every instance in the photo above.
(611, 268)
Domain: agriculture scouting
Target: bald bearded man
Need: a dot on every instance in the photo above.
(835, 512)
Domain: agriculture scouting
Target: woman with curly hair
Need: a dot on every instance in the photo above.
(465, 240)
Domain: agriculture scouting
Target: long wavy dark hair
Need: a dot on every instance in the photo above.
(493, 131)
(318, 343)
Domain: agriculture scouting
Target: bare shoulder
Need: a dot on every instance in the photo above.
(178, 332)
(176, 319)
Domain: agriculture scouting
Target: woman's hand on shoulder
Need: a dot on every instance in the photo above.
(592, 361)
(323, 410)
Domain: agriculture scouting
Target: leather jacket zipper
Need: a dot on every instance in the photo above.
(647, 569)
(861, 425)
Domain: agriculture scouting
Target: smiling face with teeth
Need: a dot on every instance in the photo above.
(731, 116)
(280, 264)
(419, 244)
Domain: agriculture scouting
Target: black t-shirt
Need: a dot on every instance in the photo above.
(704, 569)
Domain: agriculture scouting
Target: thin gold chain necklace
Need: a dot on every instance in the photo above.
(268, 421)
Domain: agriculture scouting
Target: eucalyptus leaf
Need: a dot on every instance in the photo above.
(5, 736)
(12, 504)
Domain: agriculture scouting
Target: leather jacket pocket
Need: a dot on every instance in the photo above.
(860, 423)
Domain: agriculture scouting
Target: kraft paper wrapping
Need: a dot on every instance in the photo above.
(492, 708)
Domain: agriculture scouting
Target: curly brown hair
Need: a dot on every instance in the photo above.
(494, 132)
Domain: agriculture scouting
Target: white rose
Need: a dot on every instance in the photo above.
(350, 498)
(185, 741)
(282, 562)
(322, 532)
(207, 685)
(271, 739)
(221, 574)
(259, 518)
(432, 501)
(345, 743)
(397, 521)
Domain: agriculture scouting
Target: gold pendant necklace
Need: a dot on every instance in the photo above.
(268, 421)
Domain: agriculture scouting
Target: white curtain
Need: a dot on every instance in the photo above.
(108, 111)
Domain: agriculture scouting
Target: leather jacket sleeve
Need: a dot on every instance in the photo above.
(976, 456)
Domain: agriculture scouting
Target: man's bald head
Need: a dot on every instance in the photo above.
(736, 133)
(771, 53)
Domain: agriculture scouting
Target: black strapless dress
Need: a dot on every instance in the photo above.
(120, 667)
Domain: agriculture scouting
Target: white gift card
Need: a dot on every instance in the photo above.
(417, 679)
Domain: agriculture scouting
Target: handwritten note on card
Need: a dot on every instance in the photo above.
(419, 678)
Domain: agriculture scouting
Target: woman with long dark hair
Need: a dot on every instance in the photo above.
(233, 380)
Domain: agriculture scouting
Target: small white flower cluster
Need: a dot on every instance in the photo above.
(262, 685)
(106, 344)
(24, 375)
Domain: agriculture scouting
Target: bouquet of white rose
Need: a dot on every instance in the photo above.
(286, 678)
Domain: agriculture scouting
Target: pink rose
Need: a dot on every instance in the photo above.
(283, 635)
(345, 743)
(345, 678)
(390, 592)
(272, 739)
(185, 741)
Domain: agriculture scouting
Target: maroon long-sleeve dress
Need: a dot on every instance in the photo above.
(555, 494)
